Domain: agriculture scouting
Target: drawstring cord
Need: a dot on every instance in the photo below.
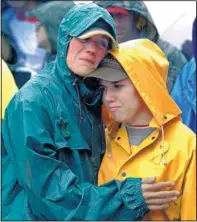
(163, 155)
(75, 84)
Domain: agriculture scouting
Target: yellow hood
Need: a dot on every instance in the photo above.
(147, 67)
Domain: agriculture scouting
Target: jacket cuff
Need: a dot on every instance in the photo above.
(131, 194)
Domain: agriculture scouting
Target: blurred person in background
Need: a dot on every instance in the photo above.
(184, 90)
(10, 55)
(8, 52)
(22, 31)
(49, 16)
(133, 21)
(4, 5)
(186, 49)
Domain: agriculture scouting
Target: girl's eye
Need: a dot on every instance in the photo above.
(117, 86)
(102, 88)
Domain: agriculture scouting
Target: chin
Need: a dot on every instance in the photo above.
(123, 120)
(118, 119)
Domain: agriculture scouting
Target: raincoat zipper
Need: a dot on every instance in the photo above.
(76, 85)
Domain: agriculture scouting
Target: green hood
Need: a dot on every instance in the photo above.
(58, 10)
(146, 23)
(82, 18)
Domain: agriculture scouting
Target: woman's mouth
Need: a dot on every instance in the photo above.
(88, 60)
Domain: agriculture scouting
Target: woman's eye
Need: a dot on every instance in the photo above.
(82, 40)
(103, 44)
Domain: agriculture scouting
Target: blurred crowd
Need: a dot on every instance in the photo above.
(29, 38)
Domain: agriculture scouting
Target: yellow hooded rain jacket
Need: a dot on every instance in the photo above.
(170, 151)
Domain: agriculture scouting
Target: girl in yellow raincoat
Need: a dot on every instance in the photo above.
(146, 136)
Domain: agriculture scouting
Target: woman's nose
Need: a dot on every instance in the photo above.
(91, 46)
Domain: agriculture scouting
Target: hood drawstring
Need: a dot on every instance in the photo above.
(76, 85)
(163, 154)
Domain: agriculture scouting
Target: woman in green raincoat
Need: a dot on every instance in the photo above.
(53, 135)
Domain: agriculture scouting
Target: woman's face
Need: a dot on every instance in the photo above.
(84, 55)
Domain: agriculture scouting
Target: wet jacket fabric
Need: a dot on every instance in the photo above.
(54, 141)
(9, 87)
(169, 152)
(58, 10)
(184, 94)
(148, 30)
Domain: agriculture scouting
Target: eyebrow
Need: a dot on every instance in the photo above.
(116, 82)
(106, 37)
(110, 82)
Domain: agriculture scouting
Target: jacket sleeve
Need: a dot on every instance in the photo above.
(52, 190)
(188, 203)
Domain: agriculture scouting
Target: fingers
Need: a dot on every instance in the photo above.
(155, 194)
(157, 186)
(160, 201)
(158, 207)
(148, 180)
(161, 194)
